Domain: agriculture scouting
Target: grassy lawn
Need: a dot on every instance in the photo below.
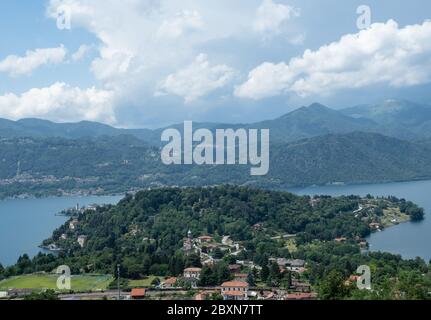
(146, 283)
(82, 283)
(393, 213)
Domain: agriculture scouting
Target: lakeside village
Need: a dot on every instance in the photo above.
(243, 274)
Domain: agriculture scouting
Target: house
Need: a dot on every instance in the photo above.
(267, 295)
(363, 244)
(208, 248)
(353, 279)
(137, 294)
(282, 262)
(205, 295)
(64, 236)
(295, 265)
(188, 246)
(234, 268)
(314, 202)
(240, 277)
(169, 283)
(234, 290)
(374, 226)
(258, 226)
(340, 240)
(205, 239)
(299, 286)
(301, 296)
(16, 293)
(192, 275)
(81, 240)
(73, 224)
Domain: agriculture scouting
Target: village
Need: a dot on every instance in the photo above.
(238, 288)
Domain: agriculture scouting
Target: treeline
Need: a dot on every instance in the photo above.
(331, 264)
(123, 163)
(144, 233)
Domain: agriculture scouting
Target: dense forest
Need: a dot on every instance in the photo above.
(144, 233)
(107, 165)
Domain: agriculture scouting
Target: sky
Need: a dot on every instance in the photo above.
(151, 63)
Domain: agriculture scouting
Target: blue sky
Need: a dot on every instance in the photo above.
(148, 63)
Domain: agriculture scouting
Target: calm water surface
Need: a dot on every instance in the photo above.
(408, 239)
(25, 223)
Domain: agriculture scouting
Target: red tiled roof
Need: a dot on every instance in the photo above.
(234, 293)
(205, 238)
(137, 293)
(170, 281)
(235, 284)
(240, 275)
(193, 270)
(301, 296)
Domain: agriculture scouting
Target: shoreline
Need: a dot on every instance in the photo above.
(288, 188)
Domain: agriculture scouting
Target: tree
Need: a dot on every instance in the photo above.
(47, 295)
(218, 254)
(264, 273)
(286, 281)
(223, 273)
(250, 279)
(207, 277)
(24, 264)
(193, 260)
(332, 287)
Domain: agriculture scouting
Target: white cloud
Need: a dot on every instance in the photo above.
(382, 54)
(82, 51)
(16, 66)
(60, 102)
(183, 22)
(197, 80)
(143, 40)
(270, 16)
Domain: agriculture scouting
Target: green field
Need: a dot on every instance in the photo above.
(145, 283)
(82, 283)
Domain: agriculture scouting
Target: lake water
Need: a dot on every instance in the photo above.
(25, 223)
(411, 240)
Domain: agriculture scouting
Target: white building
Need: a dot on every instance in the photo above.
(82, 240)
(235, 290)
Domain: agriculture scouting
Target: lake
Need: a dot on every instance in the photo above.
(411, 240)
(25, 223)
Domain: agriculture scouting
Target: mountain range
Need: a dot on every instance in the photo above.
(395, 118)
(311, 145)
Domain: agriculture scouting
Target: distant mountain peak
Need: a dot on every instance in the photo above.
(317, 106)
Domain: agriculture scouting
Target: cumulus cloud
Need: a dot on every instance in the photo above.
(143, 40)
(183, 22)
(196, 80)
(382, 54)
(270, 16)
(60, 102)
(82, 51)
(17, 66)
